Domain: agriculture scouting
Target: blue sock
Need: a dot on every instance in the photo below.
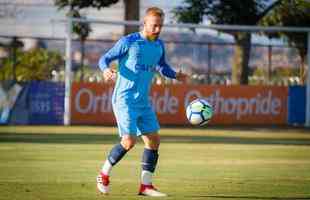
(149, 160)
(116, 154)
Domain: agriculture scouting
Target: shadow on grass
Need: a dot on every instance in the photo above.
(113, 138)
(249, 197)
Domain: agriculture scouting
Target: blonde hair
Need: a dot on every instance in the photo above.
(155, 11)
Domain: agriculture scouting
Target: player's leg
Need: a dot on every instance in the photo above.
(149, 163)
(149, 127)
(115, 155)
(126, 122)
(149, 157)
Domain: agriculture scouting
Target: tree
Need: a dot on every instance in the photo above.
(82, 29)
(132, 12)
(15, 45)
(292, 13)
(80, 4)
(12, 47)
(131, 8)
(237, 12)
(36, 64)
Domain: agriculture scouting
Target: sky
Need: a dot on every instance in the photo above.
(41, 17)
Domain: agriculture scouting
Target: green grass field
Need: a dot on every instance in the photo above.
(44, 163)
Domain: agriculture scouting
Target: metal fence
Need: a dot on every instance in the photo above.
(208, 62)
(206, 52)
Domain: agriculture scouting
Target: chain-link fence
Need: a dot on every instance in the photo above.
(209, 61)
(210, 55)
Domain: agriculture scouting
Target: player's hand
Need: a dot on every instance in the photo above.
(109, 74)
(180, 76)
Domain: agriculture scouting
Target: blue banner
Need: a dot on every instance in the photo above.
(46, 102)
(9, 93)
(296, 105)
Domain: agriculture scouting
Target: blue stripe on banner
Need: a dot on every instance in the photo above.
(296, 105)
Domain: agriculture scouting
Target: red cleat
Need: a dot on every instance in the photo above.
(103, 182)
(150, 190)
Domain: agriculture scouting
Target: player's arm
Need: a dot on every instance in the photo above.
(116, 52)
(165, 70)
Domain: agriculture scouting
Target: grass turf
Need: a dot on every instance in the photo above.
(216, 163)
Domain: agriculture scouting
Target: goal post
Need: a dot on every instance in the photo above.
(68, 73)
(69, 23)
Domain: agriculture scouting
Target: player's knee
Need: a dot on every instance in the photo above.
(154, 142)
(128, 144)
(154, 146)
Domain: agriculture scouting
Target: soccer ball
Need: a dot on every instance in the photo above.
(199, 112)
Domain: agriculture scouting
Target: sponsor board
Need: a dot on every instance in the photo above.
(8, 98)
(46, 102)
(91, 103)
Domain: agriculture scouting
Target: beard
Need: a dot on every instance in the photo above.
(153, 36)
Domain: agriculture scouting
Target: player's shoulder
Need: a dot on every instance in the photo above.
(161, 42)
(127, 39)
(132, 37)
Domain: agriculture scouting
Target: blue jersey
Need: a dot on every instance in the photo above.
(139, 59)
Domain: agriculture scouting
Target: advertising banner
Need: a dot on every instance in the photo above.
(91, 103)
(46, 101)
(296, 105)
(8, 97)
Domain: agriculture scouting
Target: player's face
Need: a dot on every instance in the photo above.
(152, 26)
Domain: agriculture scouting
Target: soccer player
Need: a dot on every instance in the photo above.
(140, 55)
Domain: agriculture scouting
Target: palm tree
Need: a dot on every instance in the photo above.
(132, 12)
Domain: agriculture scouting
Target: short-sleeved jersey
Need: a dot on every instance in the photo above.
(138, 60)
